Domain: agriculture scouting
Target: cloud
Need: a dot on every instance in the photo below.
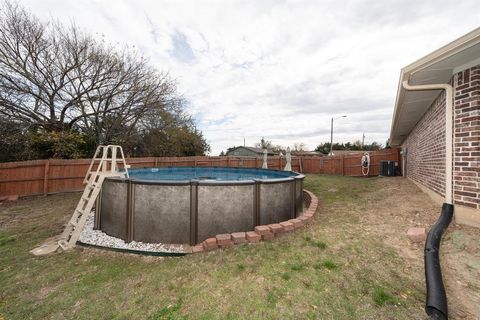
(278, 69)
(181, 48)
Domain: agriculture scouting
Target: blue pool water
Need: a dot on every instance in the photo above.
(207, 173)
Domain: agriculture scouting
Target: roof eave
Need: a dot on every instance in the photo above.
(462, 43)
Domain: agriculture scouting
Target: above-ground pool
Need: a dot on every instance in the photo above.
(186, 205)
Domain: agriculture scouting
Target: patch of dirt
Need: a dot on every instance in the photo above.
(399, 205)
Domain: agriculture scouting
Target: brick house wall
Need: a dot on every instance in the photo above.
(466, 171)
(425, 145)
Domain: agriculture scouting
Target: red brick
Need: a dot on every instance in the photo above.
(287, 226)
(261, 230)
(297, 223)
(252, 236)
(210, 244)
(467, 194)
(308, 218)
(12, 198)
(466, 204)
(276, 228)
(239, 237)
(268, 236)
(198, 248)
(224, 240)
(417, 234)
(304, 219)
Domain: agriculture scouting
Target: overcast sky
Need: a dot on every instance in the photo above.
(277, 69)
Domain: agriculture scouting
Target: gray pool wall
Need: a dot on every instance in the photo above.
(188, 212)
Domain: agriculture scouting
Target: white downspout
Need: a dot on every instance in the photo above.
(448, 130)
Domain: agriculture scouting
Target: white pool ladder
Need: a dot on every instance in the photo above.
(107, 166)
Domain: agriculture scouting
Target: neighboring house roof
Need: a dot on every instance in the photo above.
(306, 153)
(345, 152)
(253, 149)
(437, 67)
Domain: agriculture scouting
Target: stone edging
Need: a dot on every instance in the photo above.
(262, 232)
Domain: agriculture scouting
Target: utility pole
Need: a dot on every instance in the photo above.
(244, 141)
(331, 133)
(331, 138)
(363, 140)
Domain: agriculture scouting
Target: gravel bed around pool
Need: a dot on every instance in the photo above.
(101, 239)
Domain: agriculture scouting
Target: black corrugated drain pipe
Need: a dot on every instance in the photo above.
(436, 305)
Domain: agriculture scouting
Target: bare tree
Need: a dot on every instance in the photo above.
(299, 146)
(267, 144)
(59, 79)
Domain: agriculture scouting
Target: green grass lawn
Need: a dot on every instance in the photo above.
(332, 269)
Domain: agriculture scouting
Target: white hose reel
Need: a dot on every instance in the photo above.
(365, 163)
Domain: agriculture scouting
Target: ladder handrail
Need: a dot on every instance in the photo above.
(125, 165)
(102, 165)
(97, 151)
(102, 162)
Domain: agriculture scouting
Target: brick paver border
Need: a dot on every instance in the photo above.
(262, 232)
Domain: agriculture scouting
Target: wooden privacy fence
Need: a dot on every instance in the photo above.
(57, 175)
(349, 164)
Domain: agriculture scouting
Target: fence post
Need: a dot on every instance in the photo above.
(372, 166)
(45, 177)
(342, 162)
(228, 161)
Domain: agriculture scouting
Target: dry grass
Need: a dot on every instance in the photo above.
(333, 269)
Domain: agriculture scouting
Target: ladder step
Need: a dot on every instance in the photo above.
(86, 199)
(63, 244)
(69, 228)
(73, 223)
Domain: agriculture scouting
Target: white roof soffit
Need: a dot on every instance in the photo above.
(437, 67)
